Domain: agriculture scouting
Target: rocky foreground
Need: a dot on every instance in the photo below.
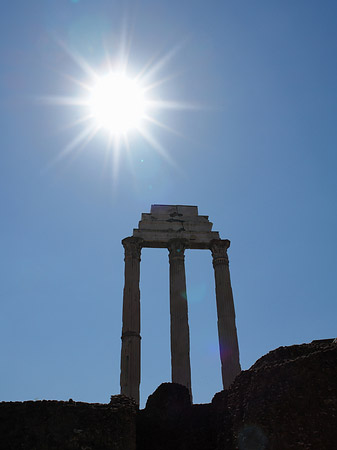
(286, 400)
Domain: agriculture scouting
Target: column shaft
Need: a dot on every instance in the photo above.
(130, 355)
(180, 338)
(228, 341)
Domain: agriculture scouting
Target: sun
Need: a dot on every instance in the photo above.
(117, 103)
(124, 107)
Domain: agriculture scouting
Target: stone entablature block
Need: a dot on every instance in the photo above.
(166, 222)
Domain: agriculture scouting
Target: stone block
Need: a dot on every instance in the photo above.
(58, 425)
(160, 239)
(174, 225)
(166, 222)
(174, 209)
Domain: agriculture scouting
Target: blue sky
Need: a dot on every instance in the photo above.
(258, 155)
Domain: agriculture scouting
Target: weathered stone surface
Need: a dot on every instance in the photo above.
(160, 239)
(52, 425)
(179, 210)
(179, 329)
(167, 222)
(130, 354)
(175, 225)
(286, 401)
(228, 339)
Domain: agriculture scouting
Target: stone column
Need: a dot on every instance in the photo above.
(130, 355)
(180, 337)
(228, 340)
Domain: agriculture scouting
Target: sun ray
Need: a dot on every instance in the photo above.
(85, 141)
(125, 47)
(75, 143)
(116, 155)
(130, 160)
(83, 85)
(157, 146)
(155, 84)
(81, 62)
(116, 103)
(107, 154)
(147, 74)
(77, 122)
(63, 101)
(146, 67)
(172, 104)
(162, 125)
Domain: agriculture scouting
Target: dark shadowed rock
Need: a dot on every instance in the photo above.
(169, 421)
(286, 401)
(57, 425)
(169, 400)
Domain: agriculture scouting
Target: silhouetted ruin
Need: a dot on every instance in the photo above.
(176, 227)
(286, 400)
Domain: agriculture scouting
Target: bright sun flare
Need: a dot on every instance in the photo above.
(117, 103)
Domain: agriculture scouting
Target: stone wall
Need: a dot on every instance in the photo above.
(286, 400)
(55, 425)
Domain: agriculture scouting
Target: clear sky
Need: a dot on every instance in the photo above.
(255, 149)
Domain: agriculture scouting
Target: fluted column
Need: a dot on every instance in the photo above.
(180, 336)
(228, 340)
(130, 355)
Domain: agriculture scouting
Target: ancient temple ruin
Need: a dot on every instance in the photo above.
(176, 228)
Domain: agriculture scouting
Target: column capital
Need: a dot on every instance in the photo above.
(177, 248)
(219, 248)
(132, 247)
